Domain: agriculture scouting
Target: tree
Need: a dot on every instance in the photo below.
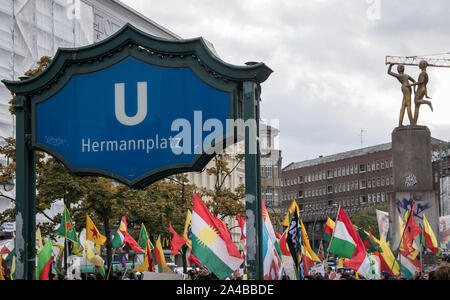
(366, 219)
(223, 202)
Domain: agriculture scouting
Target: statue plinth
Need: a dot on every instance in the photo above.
(413, 179)
(411, 151)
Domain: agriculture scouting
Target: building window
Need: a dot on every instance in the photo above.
(275, 197)
(335, 173)
(387, 164)
(300, 179)
(330, 173)
(362, 184)
(370, 198)
(269, 173)
(383, 197)
(391, 163)
(330, 189)
(362, 168)
(378, 165)
(363, 199)
(378, 197)
(373, 166)
(269, 195)
(369, 169)
(369, 185)
(382, 181)
(300, 194)
(387, 181)
(382, 165)
(276, 173)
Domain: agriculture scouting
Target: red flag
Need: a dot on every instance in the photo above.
(194, 260)
(176, 241)
(411, 230)
(283, 244)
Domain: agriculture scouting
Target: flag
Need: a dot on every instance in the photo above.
(369, 243)
(428, 239)
(122, 237)
(122, 259)
(187, 233)
(311, 254)
(159, 256)
(347, 243)
(410, 232)
(59, 259)
(93, 258)
(176, 241)
(291, 211)
(2, 278)
(194, 260)
(412, 249)
(44, 261)
(66, 229)
(408, 266)
(243, 225)
(383, 224)
(211, 244)
(273, 269)
(328, 231)
(39, 241)
(10, 262)
(144, 242)
(294, 242)
(387, 258)
(283, 244)
(92, 233)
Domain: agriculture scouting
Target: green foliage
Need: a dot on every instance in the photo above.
(366, 219)
(224, 202)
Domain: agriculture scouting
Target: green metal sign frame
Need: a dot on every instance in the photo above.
(243, 83)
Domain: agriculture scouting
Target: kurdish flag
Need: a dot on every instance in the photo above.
(122, 236)
(211, 244)
(44, 261)
(66, 230)
(408, 266)
(328, 232)
(428, 239)
(347, 243)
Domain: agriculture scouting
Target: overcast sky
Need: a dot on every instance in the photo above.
(330, 80)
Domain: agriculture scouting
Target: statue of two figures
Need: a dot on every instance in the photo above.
(420, 91)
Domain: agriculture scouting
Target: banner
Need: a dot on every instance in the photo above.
(444, 232)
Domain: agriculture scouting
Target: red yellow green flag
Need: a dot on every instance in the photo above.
(328, 232)
(428, 239)
(159, 256)
(44, 261)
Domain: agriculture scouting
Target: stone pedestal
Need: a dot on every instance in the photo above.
(413, 179)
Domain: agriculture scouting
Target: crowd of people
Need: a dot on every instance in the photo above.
(440, 271)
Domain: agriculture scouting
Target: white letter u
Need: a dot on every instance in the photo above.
(120, 104)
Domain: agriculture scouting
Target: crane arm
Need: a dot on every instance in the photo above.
(415, 60)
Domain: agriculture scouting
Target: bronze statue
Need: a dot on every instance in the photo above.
(406, 90)
(421, 91)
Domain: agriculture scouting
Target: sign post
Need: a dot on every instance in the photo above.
(136, 108)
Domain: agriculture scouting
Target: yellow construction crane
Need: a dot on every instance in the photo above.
(433, 60)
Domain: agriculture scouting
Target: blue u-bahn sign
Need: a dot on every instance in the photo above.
(136, 108)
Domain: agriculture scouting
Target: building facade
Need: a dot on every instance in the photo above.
(271, 167)
(352, 180)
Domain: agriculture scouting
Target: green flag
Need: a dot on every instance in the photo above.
(369, 243)
(66, 229)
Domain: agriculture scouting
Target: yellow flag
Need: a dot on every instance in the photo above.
(307, 245)
(161, 260)
(98, 249)
(92, 258)
(92, 233)
(187, 229)
(39, 244)
(387, 255)
(291, 211)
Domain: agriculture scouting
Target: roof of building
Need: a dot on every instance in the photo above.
(346, 155)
